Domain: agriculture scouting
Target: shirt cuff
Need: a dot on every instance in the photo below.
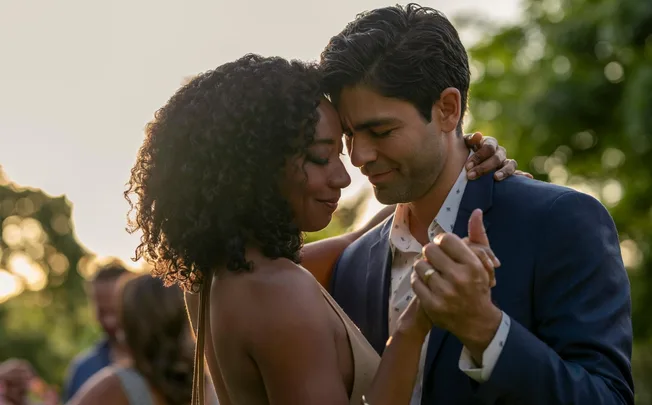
(490, 355)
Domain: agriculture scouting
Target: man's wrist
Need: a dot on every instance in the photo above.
(482, 334)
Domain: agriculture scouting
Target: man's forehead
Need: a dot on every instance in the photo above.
(362, 107)
(367, 121)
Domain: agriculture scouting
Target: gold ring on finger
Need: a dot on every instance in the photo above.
(427, 275)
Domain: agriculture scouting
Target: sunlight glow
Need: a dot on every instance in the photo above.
(612, 158)
(28, 270)
(11, 235)
(612, 192)
(558, 175)
(632, 255)
(58, 263)
(562, 66)
(614, 72)
(10, 286)
(60, 224)
(32, 231)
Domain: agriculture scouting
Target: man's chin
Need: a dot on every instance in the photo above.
(388, 196)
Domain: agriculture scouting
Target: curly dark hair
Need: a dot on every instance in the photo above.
(157, 332)
(208, 174)
(407, 52)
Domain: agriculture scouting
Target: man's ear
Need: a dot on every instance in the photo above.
(448, 109)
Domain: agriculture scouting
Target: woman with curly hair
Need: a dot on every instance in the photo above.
(155, 334)
(238, 163)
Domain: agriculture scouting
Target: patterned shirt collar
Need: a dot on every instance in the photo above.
(399, 235)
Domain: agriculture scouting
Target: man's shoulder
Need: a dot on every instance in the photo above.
(522, 187)
(535, 195)
(536, 203)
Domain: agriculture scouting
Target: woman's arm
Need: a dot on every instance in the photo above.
(402, 352)
(319, 257)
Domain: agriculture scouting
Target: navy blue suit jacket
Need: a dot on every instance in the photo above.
(562, 282)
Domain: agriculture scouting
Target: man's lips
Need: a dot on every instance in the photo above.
(380, 177)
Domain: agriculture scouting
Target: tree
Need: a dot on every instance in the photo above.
(567, 92)
(50, 321)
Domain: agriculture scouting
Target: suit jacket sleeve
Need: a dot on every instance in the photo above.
(580, 349)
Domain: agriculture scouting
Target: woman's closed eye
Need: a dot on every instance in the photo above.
(317, 160)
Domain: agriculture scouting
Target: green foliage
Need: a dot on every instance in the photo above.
(50, 325)
(567, 92)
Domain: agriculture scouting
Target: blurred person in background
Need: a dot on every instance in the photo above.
(15, 378)
(20, 385)
(102, 292)
(155, 333)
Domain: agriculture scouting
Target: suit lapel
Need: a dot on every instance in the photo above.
(378, 271)
(478, 194)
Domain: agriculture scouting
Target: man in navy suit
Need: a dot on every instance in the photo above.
(556, 329)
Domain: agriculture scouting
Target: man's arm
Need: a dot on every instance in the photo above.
(581, 353)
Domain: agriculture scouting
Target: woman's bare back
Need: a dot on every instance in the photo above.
(277, 339)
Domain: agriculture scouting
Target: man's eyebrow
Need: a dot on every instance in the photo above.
(372, 123)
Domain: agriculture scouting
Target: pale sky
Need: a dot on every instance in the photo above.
(79, 79)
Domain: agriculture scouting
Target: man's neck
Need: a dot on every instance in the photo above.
(424, 210)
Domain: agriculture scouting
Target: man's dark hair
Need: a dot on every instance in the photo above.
(410, 52)
(109, 272)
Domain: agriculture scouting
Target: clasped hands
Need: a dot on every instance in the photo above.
(453, 285)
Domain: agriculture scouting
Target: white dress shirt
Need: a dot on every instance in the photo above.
(406, 250)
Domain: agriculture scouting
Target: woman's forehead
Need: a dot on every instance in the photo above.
(329, 125)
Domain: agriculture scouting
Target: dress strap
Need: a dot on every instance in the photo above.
(198, 374)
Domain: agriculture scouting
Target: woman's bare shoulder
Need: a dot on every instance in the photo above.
(271, 287)
(103, 388)
(278, 285)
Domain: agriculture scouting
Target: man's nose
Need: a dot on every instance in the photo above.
(363, 150)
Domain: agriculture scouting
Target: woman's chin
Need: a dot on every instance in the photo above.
(317, 224)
